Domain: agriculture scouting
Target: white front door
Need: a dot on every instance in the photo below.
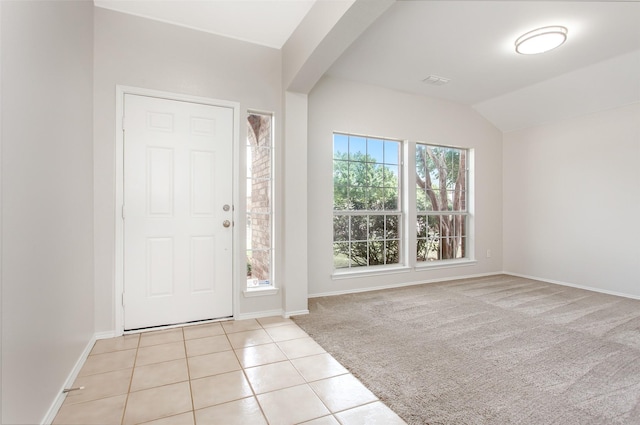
(177, 213)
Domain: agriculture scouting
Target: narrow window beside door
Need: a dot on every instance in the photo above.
(259, 200)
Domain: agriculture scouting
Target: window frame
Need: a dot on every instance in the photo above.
(408, 210)
(465, 213)
(270, 288)
(399, 211)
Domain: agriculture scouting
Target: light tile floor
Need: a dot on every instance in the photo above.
(265, 371)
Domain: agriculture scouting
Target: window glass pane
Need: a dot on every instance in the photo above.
(341, 198)
(260, 225)
(376, 198)
(340, 146)
(259, 171)
(341, 228)
(259, 267)
(441, 185)
(390, 199)
(391, 176)
(366, 184)
(357, 148)
(422, 202)
(375, 174)
(260, 163)
(392, 223)
(359, 229)
(358, 174)
(359, 254)
(341, 255)
(375, 150)
(391, 152)
(376, 253)
(358, 198)
(421, 226)
(392, 252)
(376, 227)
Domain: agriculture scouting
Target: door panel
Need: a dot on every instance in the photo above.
(178, 160)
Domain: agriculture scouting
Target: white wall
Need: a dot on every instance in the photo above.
(571, 201)
(137, 52)
(47, 201)
(339, 105)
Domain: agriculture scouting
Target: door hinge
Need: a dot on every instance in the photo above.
(123, 299)
(123, 121)
(122, 212)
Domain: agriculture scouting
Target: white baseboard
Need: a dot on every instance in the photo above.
(288, 314)
(573, 285)
(106, 335)
(260, 314)
(57, 403)
(400, 285)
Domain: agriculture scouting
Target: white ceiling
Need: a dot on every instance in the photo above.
(265, 22)
(469, 42)
(472, 43)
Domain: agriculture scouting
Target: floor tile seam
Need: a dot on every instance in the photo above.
(126, 401)
(193, 412)
(207, 354)
(93, 400)
(104, 371)
(91, 354)
(164, 417)
(253, 392)
(349, 408)
(312, 390)
(160, 362)
(160, 386)
(305, 356)
(270, 363)
(377, 400)
(319, 417)
(202, 337)
(161, 343)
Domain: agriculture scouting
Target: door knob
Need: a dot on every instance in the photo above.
(226, 208)
(226, 223)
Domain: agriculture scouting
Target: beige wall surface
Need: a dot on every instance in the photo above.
(571, 201)
(136, 52)
(338, 105)
(47, 201)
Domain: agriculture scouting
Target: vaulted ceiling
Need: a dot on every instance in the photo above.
(471, 43)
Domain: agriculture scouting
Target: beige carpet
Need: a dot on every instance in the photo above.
(492, 350)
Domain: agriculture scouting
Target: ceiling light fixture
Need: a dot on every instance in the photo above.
(541, 40)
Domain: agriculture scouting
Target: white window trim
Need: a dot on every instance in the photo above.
(408, 261)
(402, 203)
(271, 288)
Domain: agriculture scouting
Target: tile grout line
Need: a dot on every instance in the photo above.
(186, 359)
(133, 369)
(246, 377)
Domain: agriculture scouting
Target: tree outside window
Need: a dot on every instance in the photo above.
(441, 202)
(367, 218)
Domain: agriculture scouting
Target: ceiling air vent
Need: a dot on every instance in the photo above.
(434, 80)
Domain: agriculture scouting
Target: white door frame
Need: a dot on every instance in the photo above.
(119, 160)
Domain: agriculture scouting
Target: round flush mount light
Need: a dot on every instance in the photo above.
(541, 40)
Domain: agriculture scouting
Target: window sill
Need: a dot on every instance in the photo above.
(260, 292)
(341, 274)
(444, 264)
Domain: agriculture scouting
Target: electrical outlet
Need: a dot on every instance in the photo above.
(488, 253)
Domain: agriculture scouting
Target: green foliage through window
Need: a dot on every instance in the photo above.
(366, 188)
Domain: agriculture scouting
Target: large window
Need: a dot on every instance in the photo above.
(259, 156)
(441, 202)
(367, 220)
